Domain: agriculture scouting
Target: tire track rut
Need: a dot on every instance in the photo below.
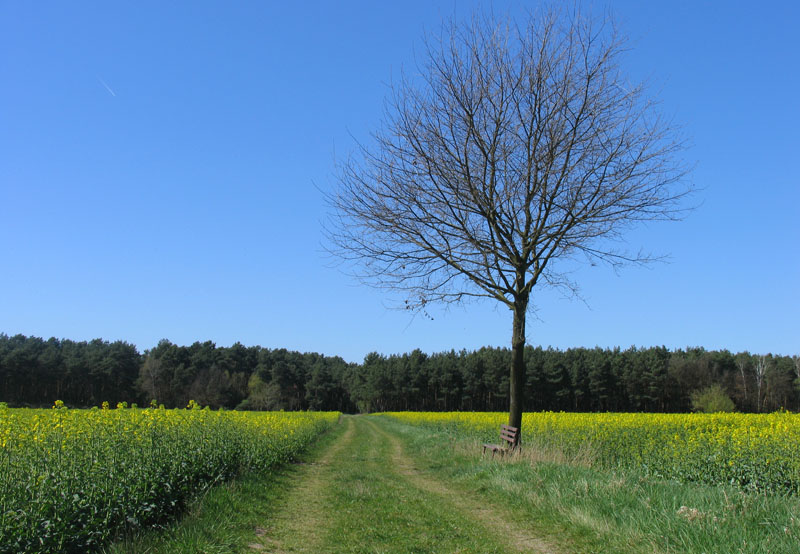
(495, 519)
(307, 519)
(300, 523)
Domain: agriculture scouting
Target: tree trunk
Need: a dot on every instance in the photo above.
(517, 381)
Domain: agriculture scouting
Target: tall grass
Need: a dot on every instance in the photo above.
(582, 506)
(756, 452)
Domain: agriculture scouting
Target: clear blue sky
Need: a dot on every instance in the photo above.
(161, 166)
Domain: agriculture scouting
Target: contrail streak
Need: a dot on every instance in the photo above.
(108, 88)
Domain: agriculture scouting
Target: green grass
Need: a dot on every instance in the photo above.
(598, 510)
(376, 508)
(374, 485)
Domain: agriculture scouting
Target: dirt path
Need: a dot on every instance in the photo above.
(494, 518)
(305, 506)
(366, 494)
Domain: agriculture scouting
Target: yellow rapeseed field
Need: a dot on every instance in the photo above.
(71, 479)
(753, 451)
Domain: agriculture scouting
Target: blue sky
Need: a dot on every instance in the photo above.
(161, 169)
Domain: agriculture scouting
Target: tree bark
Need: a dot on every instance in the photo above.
(517, 381)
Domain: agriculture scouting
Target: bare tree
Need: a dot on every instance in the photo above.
(760, 371)
(153, 379)
(512, 148)
(742, 363)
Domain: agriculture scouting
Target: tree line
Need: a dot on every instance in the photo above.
(35, 372)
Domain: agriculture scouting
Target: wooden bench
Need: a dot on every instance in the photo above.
(509, 440)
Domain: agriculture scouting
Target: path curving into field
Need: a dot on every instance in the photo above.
(365, 493)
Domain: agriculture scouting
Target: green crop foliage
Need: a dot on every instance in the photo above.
(71, 480)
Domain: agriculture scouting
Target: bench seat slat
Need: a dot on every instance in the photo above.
(508, 436)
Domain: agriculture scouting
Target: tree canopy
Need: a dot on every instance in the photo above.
(515, 147)
(36, 372)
